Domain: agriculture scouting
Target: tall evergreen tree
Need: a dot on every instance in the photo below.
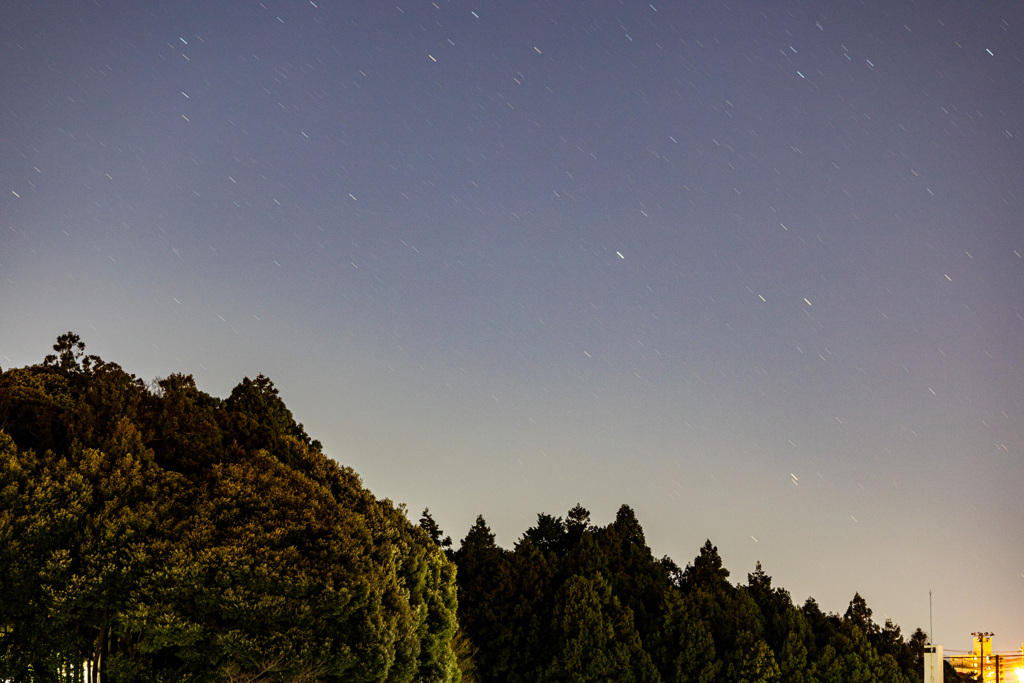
(549, 534)
(428, 524)
(577, 522)
(706, 572)
(637, 579)
(595, 637)
(759, 665)
(484, 582)
(685, 652)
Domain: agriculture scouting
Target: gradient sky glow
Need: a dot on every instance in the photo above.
(753, 268)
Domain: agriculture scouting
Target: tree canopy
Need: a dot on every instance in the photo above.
(577, 602)
(154, 532)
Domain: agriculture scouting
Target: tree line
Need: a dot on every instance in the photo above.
(152, 532)
(577, 602)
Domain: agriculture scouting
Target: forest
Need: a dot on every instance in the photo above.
(152, 532)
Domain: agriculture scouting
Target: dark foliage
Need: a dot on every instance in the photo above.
(576, 602)
(156, 533)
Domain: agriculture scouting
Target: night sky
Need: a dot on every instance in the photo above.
(753, 268)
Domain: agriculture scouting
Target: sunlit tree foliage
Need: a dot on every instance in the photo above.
(156, 533)
(152, 532)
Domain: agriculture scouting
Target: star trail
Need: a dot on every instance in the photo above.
(754, 269)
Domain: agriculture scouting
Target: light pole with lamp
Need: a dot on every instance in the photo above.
(983, 638)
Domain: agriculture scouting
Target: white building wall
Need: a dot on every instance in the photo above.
(932, 664)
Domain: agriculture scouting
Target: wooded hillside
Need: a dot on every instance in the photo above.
(155, 532)
(152, 532)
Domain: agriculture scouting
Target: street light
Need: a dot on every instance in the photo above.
(983, 637)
